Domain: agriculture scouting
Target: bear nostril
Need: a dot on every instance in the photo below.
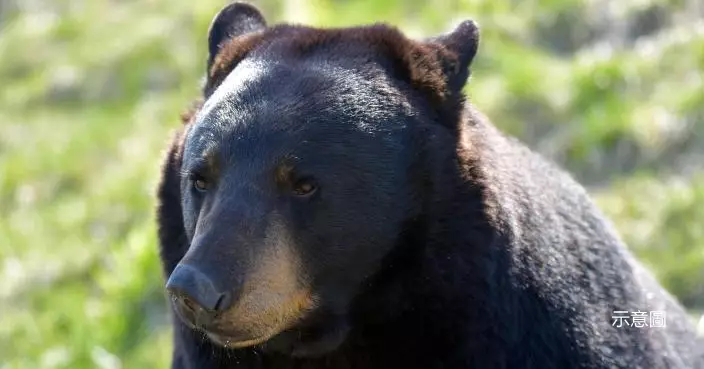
(188, 303)
(222, 303)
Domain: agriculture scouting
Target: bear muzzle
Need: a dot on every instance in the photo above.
(268, 301)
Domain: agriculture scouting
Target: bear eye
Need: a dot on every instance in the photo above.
(200, 184)
(304, 188)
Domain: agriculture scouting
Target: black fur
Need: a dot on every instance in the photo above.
(433, 240)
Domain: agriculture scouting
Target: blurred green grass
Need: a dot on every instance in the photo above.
(92, 89)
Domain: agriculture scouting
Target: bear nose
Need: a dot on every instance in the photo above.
(195, 294)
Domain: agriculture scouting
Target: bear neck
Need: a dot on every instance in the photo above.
(450, 265)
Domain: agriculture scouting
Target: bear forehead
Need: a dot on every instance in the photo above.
(272, 107)
(264, 97)
(310, 88)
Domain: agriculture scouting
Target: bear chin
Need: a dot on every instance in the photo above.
(309, 341)
(320, 335)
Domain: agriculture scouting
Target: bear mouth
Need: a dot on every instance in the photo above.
(232, 330)
(238, 342)
(228, 339)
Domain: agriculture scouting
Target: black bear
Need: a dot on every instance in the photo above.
(335, 202)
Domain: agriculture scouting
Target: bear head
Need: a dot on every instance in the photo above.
(302, 168)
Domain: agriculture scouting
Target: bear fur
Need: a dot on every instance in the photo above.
(447, 243)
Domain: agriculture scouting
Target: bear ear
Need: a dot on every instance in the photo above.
(233, 20)
(462, 43)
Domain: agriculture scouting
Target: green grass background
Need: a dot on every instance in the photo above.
(91, 89)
